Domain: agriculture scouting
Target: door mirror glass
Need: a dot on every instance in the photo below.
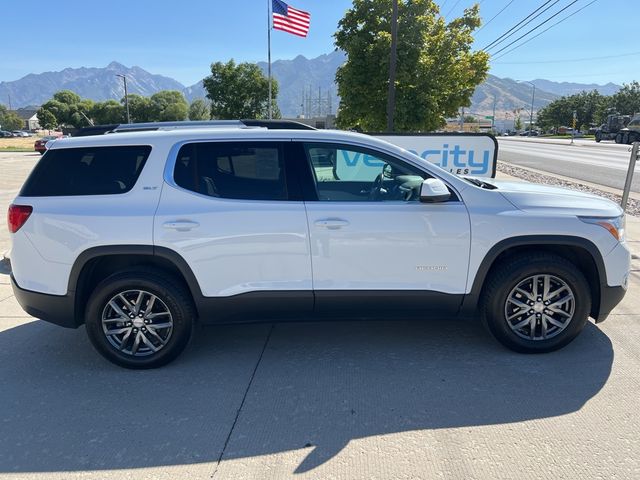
(434, 190)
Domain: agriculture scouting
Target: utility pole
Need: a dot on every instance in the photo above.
(493, 118)
(126, 95)
(533, 96)
(391, 98)
(319, 101)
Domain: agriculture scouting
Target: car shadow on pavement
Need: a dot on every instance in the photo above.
(316, 387)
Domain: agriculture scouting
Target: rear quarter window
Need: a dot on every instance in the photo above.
(86, 171)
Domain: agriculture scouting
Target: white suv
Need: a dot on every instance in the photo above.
(139, 234)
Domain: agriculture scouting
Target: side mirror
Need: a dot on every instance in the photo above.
(434, 190)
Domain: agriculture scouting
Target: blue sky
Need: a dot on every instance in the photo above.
(181, 39)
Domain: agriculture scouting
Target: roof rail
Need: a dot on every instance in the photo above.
(154, 126)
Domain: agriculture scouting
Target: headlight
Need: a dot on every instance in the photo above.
(615, 226)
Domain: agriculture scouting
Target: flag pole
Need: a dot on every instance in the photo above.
(269, 54)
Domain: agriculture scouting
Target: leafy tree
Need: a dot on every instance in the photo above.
(140, 108)
(168, 105)
(518, 123)
(67, 97)
(239, 91)
(10, 120)
(111, 111)
(199, 110)
(589, 108)
(46, 119)
(436, 73)
(626, 101)
(66, 108)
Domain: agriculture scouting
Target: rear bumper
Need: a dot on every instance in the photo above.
(58, 309)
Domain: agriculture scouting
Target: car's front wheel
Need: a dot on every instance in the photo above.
(139, 319)
(536, 302)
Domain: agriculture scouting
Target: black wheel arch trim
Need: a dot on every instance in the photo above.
(472, 299)
(142, 250)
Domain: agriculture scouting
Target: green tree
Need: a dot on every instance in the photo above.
(589, 108)
(46, 119)
(627, 100)
(67, 97)
(168, 105)
(517, 124)
(199, 110)
(140, 108)
(67, 108)
(105, 113)
(436, 73)
(10, 120)
(239, 91)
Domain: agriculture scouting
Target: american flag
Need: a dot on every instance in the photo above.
(289, 19)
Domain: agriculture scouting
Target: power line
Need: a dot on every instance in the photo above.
(584, 59)
(494, 17)
(518, 24)
(550, 27)
(536, 27)
(451, 9)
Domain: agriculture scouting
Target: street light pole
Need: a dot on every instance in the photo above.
(126, 95)
(533, 96)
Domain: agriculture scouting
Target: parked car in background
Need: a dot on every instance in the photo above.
(20, 133)
(40, 145)
(5, 134)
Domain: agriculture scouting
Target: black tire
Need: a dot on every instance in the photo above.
(618, 138)
(503, 281)
(598, 137)
(173, 297)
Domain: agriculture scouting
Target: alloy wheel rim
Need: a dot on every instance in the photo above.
(540, 307)
(137, 323)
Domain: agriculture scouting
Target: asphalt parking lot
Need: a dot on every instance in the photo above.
(371, 400)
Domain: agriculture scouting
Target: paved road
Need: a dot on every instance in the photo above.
(602, 164)
(350, 400)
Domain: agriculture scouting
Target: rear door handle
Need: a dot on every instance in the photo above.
(331, 223)
(181, 225)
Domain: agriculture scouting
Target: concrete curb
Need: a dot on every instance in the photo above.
(559, 141)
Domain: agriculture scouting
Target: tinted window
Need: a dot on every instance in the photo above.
(86, 171)
(351, 174)
(249, 171)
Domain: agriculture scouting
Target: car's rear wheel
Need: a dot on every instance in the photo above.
(536, 302)
(139, 319)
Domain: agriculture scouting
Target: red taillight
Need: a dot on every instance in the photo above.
(17, 215)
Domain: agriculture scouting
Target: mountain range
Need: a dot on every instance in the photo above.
(303, 83)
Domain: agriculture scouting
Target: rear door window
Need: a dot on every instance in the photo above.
(86, 171)
(236, 170)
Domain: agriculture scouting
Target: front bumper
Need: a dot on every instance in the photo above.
(58, 309)
(609, 298)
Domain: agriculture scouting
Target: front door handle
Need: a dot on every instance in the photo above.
(181, 225)
(331, 223)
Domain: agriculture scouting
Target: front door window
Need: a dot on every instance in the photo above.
(350, 174)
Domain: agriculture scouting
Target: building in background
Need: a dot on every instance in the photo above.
(29, 116)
